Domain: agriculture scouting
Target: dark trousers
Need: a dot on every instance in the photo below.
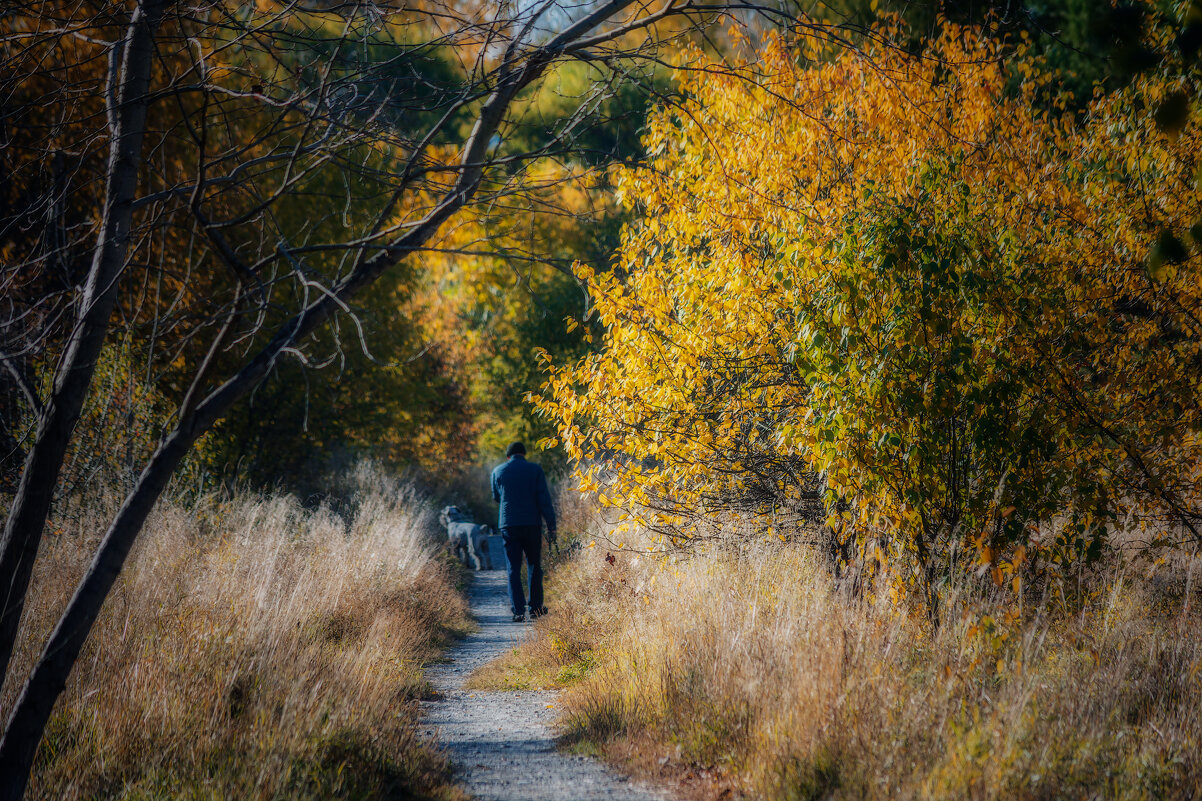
(526, 540)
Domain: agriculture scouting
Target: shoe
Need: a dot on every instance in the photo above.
(542, 610)
(519, 618)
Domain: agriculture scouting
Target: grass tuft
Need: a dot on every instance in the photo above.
(747, 666)
(252, 649)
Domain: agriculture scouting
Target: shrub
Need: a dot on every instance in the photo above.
(907, 286)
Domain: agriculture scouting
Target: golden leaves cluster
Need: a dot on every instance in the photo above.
(965, 314)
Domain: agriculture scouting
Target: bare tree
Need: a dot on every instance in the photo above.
(183, 135)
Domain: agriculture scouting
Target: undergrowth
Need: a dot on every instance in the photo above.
(744, 662)
(252, 649)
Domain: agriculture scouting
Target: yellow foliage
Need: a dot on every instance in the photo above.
(955, 312)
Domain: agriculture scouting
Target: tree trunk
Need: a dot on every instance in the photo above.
(129, 80)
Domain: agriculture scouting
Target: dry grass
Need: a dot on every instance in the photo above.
(253, 649)
(748, 666)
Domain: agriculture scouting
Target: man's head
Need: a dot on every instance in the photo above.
(515, 449)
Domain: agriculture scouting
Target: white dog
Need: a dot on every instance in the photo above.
(469, 540)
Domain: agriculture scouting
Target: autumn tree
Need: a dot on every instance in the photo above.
(499, 283)
(963, 319)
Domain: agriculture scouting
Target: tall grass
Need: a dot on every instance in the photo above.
(252, 649)
(747, 663)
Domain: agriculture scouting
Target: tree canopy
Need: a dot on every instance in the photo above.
(901, 284)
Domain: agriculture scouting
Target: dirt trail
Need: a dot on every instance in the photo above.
(503, 743)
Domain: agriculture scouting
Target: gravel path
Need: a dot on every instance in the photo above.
(502, 744)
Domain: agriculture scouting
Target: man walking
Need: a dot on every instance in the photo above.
(521, 489)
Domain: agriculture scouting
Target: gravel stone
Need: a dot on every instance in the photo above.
(502, 744)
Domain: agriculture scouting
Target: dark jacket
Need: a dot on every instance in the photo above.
(521, 489)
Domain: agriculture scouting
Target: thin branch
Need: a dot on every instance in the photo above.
(23, 381)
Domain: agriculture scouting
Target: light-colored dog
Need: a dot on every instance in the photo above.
(468, 539)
